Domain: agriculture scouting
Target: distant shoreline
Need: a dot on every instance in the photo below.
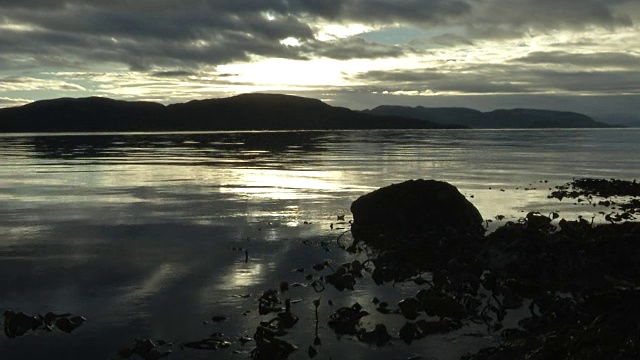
(263, 112)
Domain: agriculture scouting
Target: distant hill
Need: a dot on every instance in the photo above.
(497, 119)
(620, 119)
(242, 112)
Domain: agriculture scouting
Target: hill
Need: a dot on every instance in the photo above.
(242, 112)
(497, 119)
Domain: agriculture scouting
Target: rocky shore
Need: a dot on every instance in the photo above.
(573, 283)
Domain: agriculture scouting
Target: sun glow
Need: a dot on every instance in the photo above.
(328, 32)
(285, 72)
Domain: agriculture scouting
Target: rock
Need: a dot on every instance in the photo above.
(415, 207)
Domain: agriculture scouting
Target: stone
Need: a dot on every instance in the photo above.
(426, 207)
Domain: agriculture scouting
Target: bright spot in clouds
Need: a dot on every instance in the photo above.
(290, 41)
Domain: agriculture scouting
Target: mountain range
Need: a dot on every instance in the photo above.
(260, 112)
(242, 112)
(497, 119)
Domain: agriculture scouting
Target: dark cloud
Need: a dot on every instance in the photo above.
(601, 59)
(171, 40)
(513, 18)
(505, 79)
(144, 34)
(444, 40)
(173, 73)
(416, 12)
(601, 82)
(353, 48)
(401, 76)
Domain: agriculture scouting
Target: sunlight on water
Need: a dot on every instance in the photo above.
(145, 234)
(162, 277)
(285, 184)
(243, 275)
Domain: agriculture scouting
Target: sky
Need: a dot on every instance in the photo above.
(575, 55)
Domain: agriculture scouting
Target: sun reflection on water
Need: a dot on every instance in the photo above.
(285, 184)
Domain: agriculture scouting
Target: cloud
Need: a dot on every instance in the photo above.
(168, 50)
(600, 59)
(417, 12)
(490, 79)
(146, 34)
(591, 82)
(173, 74)
(353, 48)
(515, 18)
(9, 83)
(9, 102)
(449, 39)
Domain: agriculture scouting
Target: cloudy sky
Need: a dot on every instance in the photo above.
(581, 55)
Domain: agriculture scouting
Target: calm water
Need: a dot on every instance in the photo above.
(139, 232)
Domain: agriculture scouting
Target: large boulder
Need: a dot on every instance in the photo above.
(427, 208)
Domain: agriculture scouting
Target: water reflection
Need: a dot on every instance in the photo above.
(160, 278)
(202, 148)
(137, 232)
(285, 184)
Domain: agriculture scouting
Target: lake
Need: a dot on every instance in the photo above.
(145, 234)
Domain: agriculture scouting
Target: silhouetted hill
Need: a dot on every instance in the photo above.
(242, 112)
(497, 119)
(85, 114)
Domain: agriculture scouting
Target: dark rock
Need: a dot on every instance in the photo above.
(17, 324)
(415, 207)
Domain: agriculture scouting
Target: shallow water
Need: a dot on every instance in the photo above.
(140, 232)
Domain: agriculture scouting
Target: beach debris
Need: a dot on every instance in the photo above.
(318, 286)
(409, 307)
(284, 286)
(346, 320)
(214, 342)
(316, 304)
(312, 352)
(379, 335)
(342, 278)
(383, 307)
(268, 346)
(68, 324)
(147, 349)
(440, 304)
(219, 318)
(268, 302)
(18, 323)
(411, 331)
(585, 187)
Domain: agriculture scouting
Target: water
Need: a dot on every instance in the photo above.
(140, 233)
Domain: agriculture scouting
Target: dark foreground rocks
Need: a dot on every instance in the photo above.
(551, 288)
(580, 281)
(420, 210)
